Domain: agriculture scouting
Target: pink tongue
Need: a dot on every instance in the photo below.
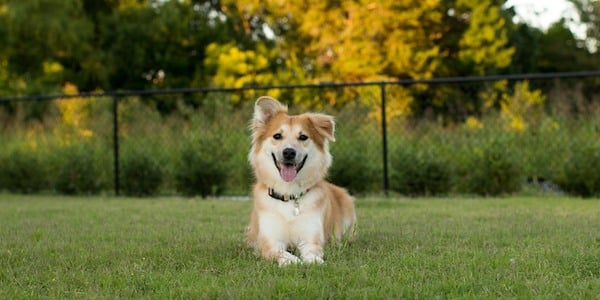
(288, 173)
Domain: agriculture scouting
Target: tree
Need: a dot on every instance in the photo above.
(158, 47)
(525, 40)
(108, 44)
(483, 42)
(560, 51)
(333, 42)
(60, 36)
(362, 40)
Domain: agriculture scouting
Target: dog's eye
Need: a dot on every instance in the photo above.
(303, 137)
(277, 136)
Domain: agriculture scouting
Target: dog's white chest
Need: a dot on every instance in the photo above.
(291, 224)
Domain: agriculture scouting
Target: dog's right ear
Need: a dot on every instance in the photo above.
(264, 109)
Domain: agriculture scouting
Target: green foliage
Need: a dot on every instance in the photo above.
(181, 44)
(179, 30)
(354, 167)
(219, 128)
(354, 171)
(202, 169)
(23, 171)
(356, 151)
(90, 42)
(141, 174)
(524, 39)
(490, 169)
(560, 51)
(417, 171)
(203, 150)
(580, 175)
(61, 35)
(79, 171)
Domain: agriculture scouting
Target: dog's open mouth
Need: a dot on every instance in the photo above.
(288, 170)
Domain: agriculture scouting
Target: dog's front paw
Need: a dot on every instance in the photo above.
(313, 259)
(287, 258)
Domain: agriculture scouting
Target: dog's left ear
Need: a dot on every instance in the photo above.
(324, 124)
(265, 108)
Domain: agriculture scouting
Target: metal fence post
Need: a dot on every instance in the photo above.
(384, 140)
(116, 142)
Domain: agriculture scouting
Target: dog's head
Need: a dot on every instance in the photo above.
(289, 152)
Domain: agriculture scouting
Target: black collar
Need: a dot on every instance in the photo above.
(286, 198)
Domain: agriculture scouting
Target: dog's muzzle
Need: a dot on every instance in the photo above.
(288, 167)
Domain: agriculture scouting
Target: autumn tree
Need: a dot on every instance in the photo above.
(366, 41)
(146, 44)
(350, 40)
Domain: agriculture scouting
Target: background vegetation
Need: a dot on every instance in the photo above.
(109, 45)
(490, 138)
(532, 147)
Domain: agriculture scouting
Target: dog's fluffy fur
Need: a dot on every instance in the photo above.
(290, 156)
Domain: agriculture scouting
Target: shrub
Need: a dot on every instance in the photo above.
(419, 173)
(581, 175)
(78, 171)
(238, 170)
(353, 166)
(23, 171)
(490, 170)
(240, 175)
(141, 174)
(201, 170)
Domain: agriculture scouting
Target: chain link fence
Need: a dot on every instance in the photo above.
(470, 135)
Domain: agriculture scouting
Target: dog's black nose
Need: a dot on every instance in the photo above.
(289, 154)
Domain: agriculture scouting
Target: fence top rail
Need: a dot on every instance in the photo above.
(439, 80)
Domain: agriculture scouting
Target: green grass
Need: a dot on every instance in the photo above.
(104, 247)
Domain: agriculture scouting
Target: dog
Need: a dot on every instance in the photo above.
(294, 209)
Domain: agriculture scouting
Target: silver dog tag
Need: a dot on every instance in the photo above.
(296, 208)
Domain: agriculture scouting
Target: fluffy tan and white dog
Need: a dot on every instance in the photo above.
(294, 207)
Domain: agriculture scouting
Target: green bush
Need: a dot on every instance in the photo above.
(235, 160)
(201, 170)
(78, 171)
(419, 173)
(353, 166)
(141, 174)
(23, 171)
(490, 170)
(581, 173)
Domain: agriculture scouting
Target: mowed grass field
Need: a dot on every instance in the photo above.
(105, 247)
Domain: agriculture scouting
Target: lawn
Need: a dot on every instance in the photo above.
(106, 247)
